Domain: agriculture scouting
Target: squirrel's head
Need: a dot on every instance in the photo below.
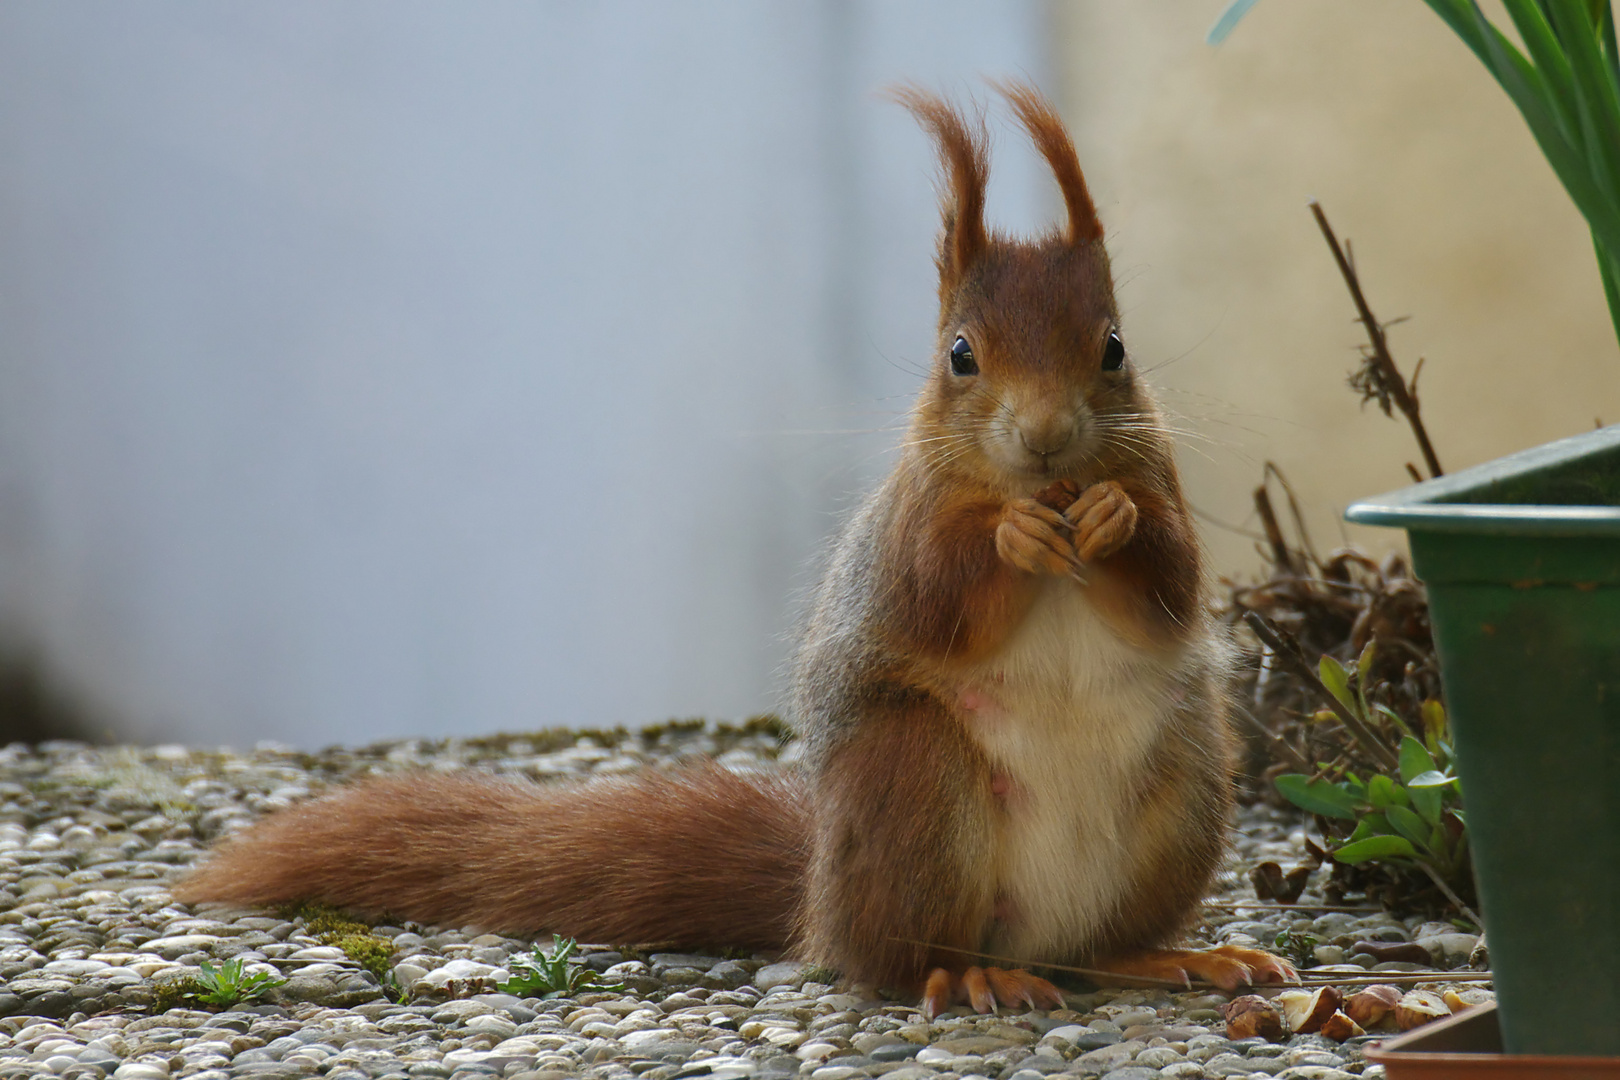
(1030, 370)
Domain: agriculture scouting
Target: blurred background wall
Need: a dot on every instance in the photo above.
(383, 369)
(1202, 160)
(388, 368)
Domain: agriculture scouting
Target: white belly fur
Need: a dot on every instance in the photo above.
(1072, 711)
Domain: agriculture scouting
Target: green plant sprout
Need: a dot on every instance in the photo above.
(1298, 947)
(227, 985)
(1412, 815)
(1566, 85)
(553, 974)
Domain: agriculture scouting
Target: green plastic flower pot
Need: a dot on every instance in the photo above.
(1521, 557)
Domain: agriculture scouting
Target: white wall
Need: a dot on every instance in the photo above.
(387, 368)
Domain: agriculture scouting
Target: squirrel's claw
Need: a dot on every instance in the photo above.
(986, 988)
(1017, 987)
(937, 993)
(976, 984)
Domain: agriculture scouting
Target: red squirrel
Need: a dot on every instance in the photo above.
(1010, 692)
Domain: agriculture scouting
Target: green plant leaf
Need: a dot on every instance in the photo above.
(1439, 846)
(1434, 726)
(1336, 677)
(1375, 847)
(1364, 662)
(1318, 796)
(1409, 824)
(1428, 802)
(225, 984)
(1381, 793)
(1414, 759)
(1370, 825)
(1433, 778)
(551, 975)
(1392, 716)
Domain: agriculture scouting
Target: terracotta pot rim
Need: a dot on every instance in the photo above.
(1404, 1058)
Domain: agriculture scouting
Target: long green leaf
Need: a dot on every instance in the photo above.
(1317, 796)
(1375, 847)
(1611, 282)
(1594, 83)
(1228, 20)
(1527, 89)
(1611, 52)
(1598, 101)
(1547, 53)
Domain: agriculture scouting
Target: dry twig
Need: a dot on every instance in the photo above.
(1379, 379)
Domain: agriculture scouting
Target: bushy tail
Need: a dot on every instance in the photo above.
(696, 856)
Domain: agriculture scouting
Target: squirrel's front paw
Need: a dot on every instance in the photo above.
(1036, 539)
(1104, 520)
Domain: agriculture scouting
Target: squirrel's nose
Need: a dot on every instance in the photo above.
(1045, 434)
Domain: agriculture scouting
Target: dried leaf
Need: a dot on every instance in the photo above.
(1270, 883)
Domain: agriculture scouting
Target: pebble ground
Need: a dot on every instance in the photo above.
(92, 947)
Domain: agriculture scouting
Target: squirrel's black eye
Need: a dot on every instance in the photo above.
(962, 362)
(1113, 352)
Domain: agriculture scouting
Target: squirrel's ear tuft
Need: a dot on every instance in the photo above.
(964, 155)
(1041, 120)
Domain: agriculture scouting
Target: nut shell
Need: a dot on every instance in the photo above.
(1340, 1027)
(1370, 1005)
(1305, 1011)
(1458, 1000)
(1252, 1015)
(1419, 1007)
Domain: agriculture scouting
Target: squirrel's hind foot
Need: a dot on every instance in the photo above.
(1227, 966)
(985, 988)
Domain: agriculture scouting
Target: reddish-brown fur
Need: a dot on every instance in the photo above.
(1039, 469)
(967, 167)
(1046, 128)
(901, 853)
(700, 856)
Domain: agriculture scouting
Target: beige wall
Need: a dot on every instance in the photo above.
(1202, 159)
